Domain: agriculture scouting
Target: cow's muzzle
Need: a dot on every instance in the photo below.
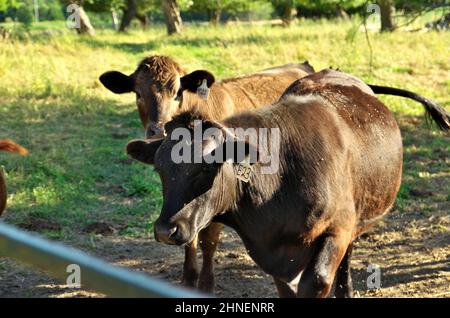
(154, 131)
(165, 232)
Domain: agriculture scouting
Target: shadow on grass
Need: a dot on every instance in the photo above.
(76, 163)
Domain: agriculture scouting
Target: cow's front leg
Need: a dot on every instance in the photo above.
(318, 277)
(208, 239)
(344, 285)
(190, 267)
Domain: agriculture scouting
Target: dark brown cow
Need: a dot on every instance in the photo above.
(340, 166)
(159, 80)
(9, 146)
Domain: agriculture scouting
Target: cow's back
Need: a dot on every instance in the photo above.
(367, 130)
(341, 142)
(242, 93)
(262, 88)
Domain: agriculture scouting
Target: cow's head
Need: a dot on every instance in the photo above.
(158, 84)
(196, 189)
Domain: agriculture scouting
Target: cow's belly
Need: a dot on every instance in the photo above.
(285, 261)
(377, 180)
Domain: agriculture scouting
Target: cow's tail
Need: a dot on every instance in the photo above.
(432, 109)
(11, 146)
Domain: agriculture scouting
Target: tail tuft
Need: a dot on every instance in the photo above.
(10, 146)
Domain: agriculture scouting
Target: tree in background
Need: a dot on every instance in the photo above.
(172, 16)
(50, 10)
(387, 10)
(8, 4)
(413, 9)
(136, 9)
(286, 10)
(129, 12)
(85, 26)
(105, 6)
(18, 10)
(215, 9)
(24, 14)
(330, 8)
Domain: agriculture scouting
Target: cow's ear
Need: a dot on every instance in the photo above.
(144, 150)
(192, 81)
(117, 82)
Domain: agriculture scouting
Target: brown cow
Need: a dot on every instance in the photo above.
(9, 146)
(340, 166)
(159, 80)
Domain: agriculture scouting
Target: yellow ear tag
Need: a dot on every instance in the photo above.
(203, 90)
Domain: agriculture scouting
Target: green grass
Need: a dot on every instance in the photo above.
(77, 171)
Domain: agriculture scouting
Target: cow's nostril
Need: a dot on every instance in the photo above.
(173, 232)
(166, 234)
(149, 134)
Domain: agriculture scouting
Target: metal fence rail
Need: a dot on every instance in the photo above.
(96, 274)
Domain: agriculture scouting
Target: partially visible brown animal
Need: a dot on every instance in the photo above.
(159, 81)
(9, 146)
(340, 167)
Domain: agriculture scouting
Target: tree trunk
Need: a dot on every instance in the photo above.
(340, 13)
(289, 13)
(215, 17)
(85, 24)
(215, 13)
(387, 10)
(115, 23)
(172, 15)
(129, 12)
(143, 19)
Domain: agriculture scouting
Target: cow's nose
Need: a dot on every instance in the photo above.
(150, 133)
(153, 131)
(165, 233)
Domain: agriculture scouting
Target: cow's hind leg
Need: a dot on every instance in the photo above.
(344, 285)
(318, 277)
(208, 239)
(190, 268)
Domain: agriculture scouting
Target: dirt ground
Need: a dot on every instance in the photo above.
(413, 256)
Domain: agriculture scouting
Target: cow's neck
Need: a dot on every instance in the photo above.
(218, 106)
